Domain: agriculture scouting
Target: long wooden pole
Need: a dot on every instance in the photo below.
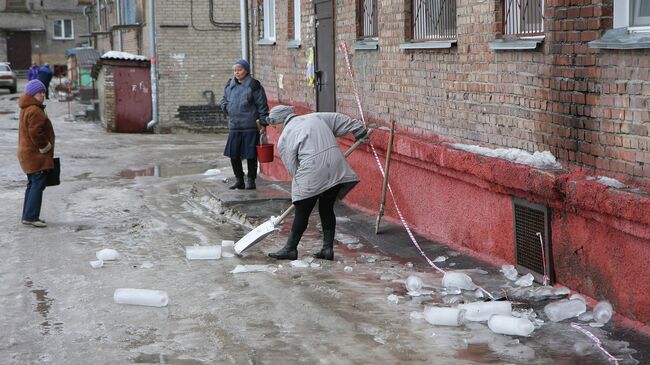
(389, 151)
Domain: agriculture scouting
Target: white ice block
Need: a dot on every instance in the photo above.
(509, 325)
(413, 283)
(482, 311)
(603, 312)
(203, 252)
(96, 264)
(443, 316)
(564, 309)
(151, 298)
(107, 254)
(458, 280)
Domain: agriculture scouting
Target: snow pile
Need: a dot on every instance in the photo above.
(538, 159)
(608, 181)
(123, 56)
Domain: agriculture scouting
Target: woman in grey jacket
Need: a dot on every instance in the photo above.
(244, 99)
(320, 173)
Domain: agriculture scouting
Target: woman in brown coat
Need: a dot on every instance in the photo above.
(35, 149)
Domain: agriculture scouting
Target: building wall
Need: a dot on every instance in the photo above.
(195, 58)
(588, 107)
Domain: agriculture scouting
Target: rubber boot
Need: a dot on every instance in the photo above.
(239, 183)
(250, 183)
(289, 251)
(327, 252)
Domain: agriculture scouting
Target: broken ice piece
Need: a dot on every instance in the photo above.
(577, 297)
(146, 265)
(212, 172)
(596, 324)
(413, 283)
(440, 259)
(347, 269)
(408, 264)
(147, 297)
(314, 265)
(526, 280)
(562, 290)
(508, 325)
(586, 316)
(416, 315)
(342, 219)
(509, 272)
(299, 263)
(346, 238)
(393, 298)
(254, 268)
(96, 264)
(458, 280)
(203, 252)
(227, 243)
(107, 254)
(603, 312)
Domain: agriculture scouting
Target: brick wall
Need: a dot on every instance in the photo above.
(106, 96)
(195, 56)
(588, 107)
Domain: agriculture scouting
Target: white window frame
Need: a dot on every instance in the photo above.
(623, 16)
(62, 36)
(296, 19)
(269, 20)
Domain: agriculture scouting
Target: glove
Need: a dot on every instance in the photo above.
(361, 134)
(45, 149)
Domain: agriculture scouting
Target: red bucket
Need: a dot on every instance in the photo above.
(265, 152)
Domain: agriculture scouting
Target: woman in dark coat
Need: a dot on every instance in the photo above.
(35, 149)
(244, 99)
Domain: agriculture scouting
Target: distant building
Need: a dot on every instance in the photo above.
(197, 44)
(41, 31)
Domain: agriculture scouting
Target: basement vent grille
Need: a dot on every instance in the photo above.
(529, 219)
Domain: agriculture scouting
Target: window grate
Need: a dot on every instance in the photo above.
(529, 220)
(523, 17)
(433, 20)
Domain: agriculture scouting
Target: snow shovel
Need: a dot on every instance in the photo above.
(263, 230)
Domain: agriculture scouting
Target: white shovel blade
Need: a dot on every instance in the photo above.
(259, 233)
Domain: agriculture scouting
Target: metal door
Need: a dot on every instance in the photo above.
(132, 99)
(324, 65)
(19, 50)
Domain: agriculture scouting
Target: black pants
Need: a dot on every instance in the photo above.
(304, 207)
(239, 170)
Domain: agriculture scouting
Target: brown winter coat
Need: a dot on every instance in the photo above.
(35, 131)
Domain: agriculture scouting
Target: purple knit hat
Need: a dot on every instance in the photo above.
(34, 87)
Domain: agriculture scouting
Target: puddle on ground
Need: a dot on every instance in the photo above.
(164, 359)
(165, 171)
(43, 305)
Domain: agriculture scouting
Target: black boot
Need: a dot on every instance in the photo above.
(289, 251)
(250, 183)
(239, 183)
(327, 252)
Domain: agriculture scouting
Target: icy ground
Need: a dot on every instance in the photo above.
(149, 196)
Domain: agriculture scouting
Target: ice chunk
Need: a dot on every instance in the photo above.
(107, 254)
(603, 312)
(481, 311)
(458, 280)
(563, 309)
(347, 269)
(227, 248)
(212, 172)
(299, 263)
(254, 268)
(96, 264)
(146, 265)
(413, 283)
(578, 297)
(416, 316)
(509, 272)
(388, 277)
(147, 297)
(526, 280)
(562, 290)
(509, 325)
(586, 316)
(346, 239)
(393, 298)
(440, 259)
(203, 252)
(314, 265)
(596, 324)
(442, 316)
(227, 243)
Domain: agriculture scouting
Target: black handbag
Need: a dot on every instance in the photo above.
(54, 175)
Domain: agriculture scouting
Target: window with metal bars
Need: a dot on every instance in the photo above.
(433, 20)
(523, 18)
(367, 19)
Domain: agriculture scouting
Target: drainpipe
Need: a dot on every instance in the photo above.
(99, 18)
(154, 67)
(119, 22)
(243, 14)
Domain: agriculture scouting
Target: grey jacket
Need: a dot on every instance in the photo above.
(245, 103)
(311, 154)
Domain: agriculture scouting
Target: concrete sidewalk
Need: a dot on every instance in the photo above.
(357, 244)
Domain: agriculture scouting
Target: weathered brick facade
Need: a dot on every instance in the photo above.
(587, 106)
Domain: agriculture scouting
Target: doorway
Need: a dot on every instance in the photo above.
(324, 52)
(19, 50)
